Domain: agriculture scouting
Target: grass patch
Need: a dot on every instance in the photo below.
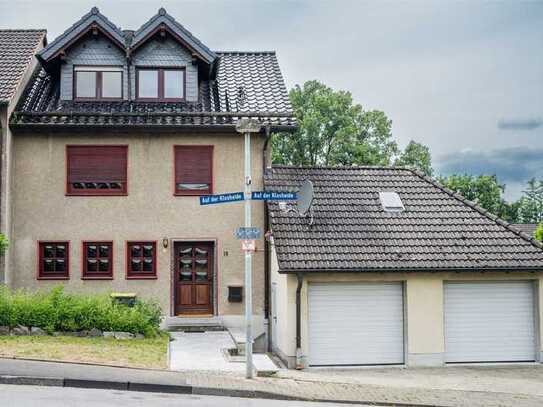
(142, 353)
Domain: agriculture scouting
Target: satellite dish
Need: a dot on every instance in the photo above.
(305, 197)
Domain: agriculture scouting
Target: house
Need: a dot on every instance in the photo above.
(118, 135)
(17, 63)
(392, 268)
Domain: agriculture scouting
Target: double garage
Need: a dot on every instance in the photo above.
(351, 324)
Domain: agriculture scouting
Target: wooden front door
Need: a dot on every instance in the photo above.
(193, 277)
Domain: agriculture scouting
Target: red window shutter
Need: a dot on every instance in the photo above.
(193, 165)
(97, 164)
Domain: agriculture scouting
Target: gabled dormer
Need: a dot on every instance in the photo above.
(159, 62)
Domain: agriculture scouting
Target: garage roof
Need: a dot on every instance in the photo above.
(438, 231)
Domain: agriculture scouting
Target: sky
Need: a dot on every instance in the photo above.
(463, 77)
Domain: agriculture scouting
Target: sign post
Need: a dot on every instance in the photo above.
(246, 127)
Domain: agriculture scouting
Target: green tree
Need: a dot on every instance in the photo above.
(539, 233)
(531, 204)
(416, 156)
(486, 191)
(333, 131)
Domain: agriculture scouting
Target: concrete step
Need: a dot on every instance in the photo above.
(238, 335)
(189, 324)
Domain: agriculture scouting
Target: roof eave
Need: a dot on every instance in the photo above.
(415, 269)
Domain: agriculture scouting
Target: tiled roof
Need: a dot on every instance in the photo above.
(528, 228)
(438, 231)
(17, 48)
(247, 84)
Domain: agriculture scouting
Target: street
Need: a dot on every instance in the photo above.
(30, 396)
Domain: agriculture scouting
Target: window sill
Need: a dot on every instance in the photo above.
(94, 194)
(148, 277)
(195, 193)
(54, 278)
(97, 278)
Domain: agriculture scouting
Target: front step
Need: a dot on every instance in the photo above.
(238, 335)
(188, 324)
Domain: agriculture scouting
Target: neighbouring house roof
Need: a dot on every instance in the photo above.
(438, 231)
(17, 48)
(528, 228)
(247, 84)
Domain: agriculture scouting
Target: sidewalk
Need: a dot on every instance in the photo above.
(314, 386)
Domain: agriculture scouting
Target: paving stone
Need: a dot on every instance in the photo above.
(4, 330)
(95, 333)
(123, 335)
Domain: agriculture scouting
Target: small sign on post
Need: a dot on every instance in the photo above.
(273, 196)
(248, 245)
(251, 233)
(222, 198)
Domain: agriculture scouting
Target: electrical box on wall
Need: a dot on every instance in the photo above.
(235, 294)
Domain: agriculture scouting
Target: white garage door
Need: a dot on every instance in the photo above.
(355, 324)
(489, 322)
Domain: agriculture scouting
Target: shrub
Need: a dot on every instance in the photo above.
(56, 310)
(4, 243)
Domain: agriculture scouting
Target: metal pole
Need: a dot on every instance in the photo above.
(248, 271)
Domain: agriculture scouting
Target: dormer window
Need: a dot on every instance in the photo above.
(160, 84)
(98, 83)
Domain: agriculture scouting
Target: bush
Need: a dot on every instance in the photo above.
(4, 243)
(56, 310)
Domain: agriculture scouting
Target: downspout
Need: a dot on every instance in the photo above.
(267, 259)
(299, 362)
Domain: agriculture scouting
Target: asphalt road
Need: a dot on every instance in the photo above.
(32, 396)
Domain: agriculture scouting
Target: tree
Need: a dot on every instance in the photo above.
(539, 233)
(333, 131)
(486, 191)
(416, 156)
(531, 204)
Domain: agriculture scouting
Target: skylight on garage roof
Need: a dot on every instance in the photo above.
(391, 202)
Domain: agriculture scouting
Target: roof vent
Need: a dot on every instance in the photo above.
(391, 202)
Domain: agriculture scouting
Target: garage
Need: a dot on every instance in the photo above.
(489, 321)
(355, 324)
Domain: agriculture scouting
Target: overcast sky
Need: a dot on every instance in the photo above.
(446, 72)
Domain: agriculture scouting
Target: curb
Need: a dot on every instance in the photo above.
(181, 389)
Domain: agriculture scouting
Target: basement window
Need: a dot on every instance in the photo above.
(391, 202)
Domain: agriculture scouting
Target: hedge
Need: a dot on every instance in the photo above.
(56, 310)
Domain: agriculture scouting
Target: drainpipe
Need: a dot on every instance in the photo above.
(299, 363)
(267, 259)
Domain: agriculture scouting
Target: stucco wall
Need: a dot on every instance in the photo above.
(425, 340)
(42, 211)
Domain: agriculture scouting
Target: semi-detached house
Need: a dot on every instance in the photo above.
(118, 135)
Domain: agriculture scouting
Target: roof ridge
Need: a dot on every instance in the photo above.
(478, 208)
(23, 29)
(341, 167)
(271, 52)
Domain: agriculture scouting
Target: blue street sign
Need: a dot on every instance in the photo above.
(222, 198)
(250, 233)
(273, 196)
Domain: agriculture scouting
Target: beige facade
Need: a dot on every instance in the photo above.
(150, 211)
(423, 303)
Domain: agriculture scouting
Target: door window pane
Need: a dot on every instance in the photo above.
(173, 84)
(148, 84)
(85, 84)
(112, 84)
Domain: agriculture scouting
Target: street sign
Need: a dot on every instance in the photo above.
(248, 245)
(222, 198)
(273, 196)
(248, 233)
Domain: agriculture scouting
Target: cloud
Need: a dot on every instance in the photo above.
(515, 164)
